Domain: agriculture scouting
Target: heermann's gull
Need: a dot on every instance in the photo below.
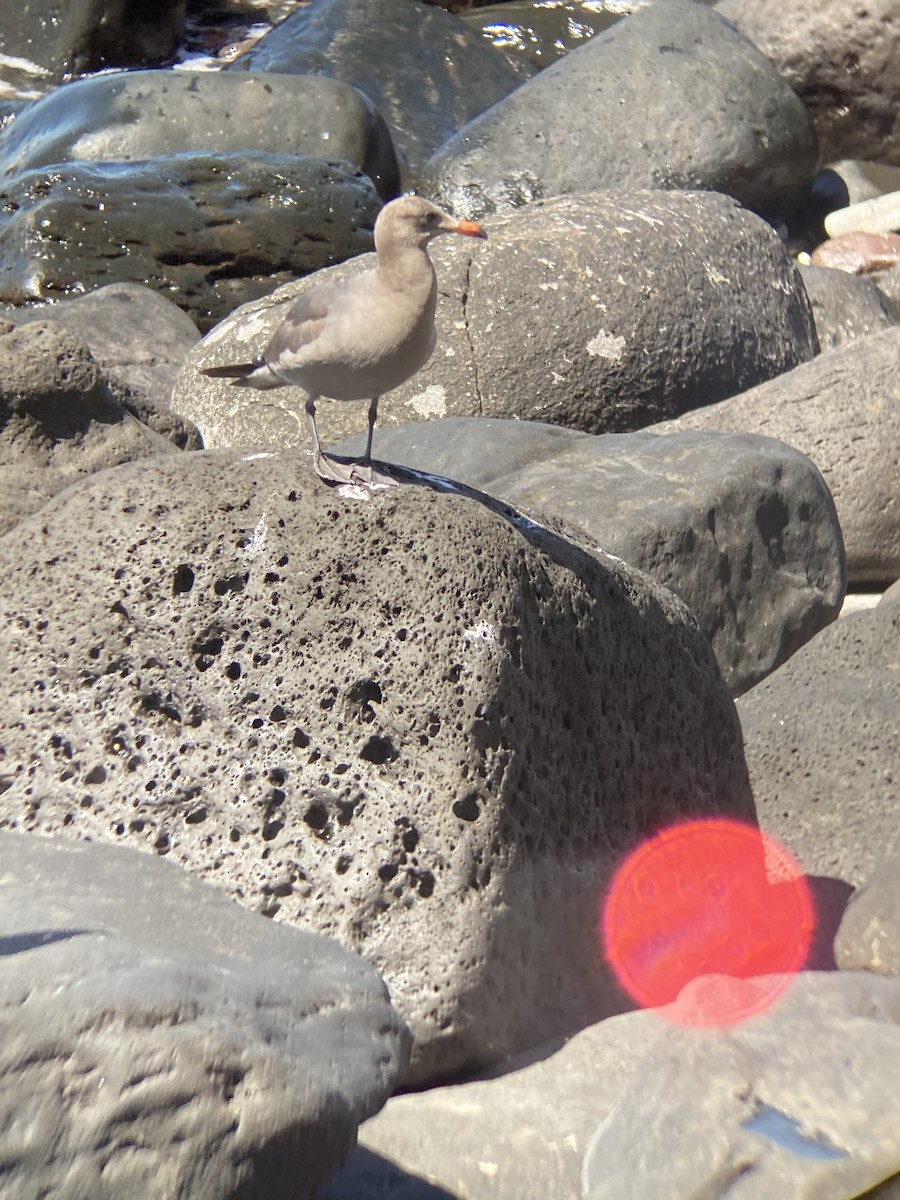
(357, 338)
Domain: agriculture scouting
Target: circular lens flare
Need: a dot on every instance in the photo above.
(707, 897)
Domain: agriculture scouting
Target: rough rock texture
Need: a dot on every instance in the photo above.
(408, 723)
(843, 410)
(208, 231)
(157, 1040)
(603, 312)
(62, 38)
(522, 1135)
(138, 339)
(821, 737)
(869, 935)
(842, 62)
(845, 306)
(132, 117)
(672, 97)
(395, 53)
(742, 528)
(59, 420)
(798, 1103)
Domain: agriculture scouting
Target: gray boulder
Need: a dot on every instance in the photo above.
(50, 40)
(138, 339)
(842, 410)
(210, 231)
(869, 935)
(160, 1041)
(414, 723)
(603, 312)
(741, 527)
(671, 97)
(141, 115)
(59, 419)
(843, 64)
(669, 1105)
(395, 53)
(845, 306)
(821, 743)
(800, 1103)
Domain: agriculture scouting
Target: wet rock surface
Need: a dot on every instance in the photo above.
(595, 120)
(637, 320)
(741, 528)
(381, 722)
(159, 1039)
(198, 227)
(394, 53)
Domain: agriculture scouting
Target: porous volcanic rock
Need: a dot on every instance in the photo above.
(603, 312)
(672, 97)
(410, 723)
(843, 411)
(157, 1040)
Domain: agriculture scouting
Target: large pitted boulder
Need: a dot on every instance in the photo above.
(741, 527)
(843, 410)
(410, 723)
(603, 312)
(821, 742)
(596, 120)
(157, 1040)
(395, 53)
(59, 419)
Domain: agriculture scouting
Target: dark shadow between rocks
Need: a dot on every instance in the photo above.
(20, 943)
(368, 1176)
(830, 898)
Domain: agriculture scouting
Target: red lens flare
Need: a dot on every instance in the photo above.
(707, 897)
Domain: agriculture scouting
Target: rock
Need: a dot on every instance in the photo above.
(889, 286)
(59, 421)
(55, 39)
(841, 410)
(865, 180)
(841, 61)
(516, 1135)
(869, 935)
(146, 115)
(603, 312)
(881, 214)
(593, 121)
(796, 1103)
(394, 53)
(158, 1040)
(541, 34)
(138, 339)
(859, 253)
(381, 721)
(209, 231)
(741, 528)
(844, 306)
(821, 742)
(523, 1135)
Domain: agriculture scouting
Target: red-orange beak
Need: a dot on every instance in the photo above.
(469, 228)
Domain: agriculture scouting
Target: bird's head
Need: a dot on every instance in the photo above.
(413, 221)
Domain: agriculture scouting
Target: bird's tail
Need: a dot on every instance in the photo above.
(256, 374)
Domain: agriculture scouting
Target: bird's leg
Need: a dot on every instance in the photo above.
(329, 470)
(373, 417)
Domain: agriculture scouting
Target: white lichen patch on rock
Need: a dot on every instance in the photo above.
(606, 345)
(432, 402)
